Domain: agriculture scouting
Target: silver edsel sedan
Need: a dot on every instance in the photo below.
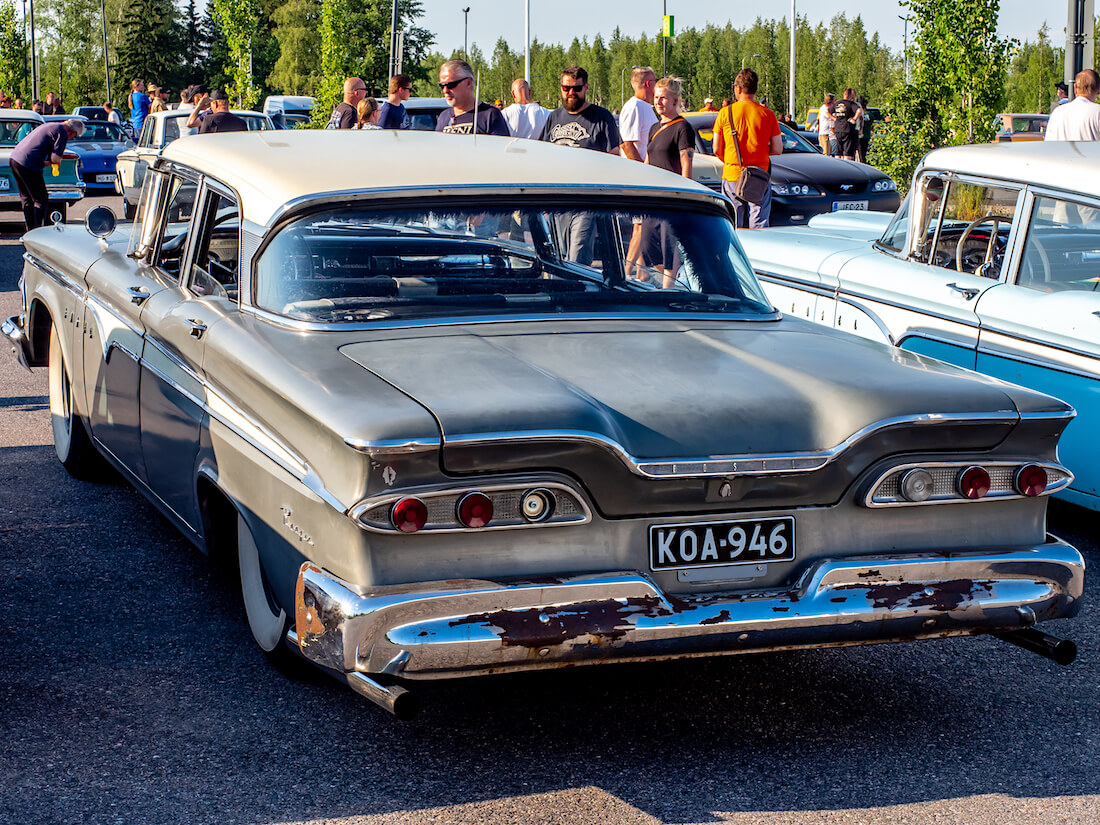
(452, 421)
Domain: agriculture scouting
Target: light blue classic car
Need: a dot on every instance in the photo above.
(992, 262)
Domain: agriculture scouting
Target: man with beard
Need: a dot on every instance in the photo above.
(580, 123)
(584, 125)
(456, 81)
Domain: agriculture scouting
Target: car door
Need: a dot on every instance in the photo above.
(119, 284)
(1042, 330)
(960, 237)
(178, 320)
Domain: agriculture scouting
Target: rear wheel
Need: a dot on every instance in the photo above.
(267, 621)
(70, 439)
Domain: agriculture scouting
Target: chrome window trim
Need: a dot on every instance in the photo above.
(1035, 191)
(451, 321)
(454, 488)
(482, 189)
(742, 465)
(867, 500)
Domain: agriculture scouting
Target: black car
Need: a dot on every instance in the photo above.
(804, 181)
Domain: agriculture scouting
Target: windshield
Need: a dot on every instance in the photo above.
(12, 131)
(356, 264)
(99, 131)
(793, 143)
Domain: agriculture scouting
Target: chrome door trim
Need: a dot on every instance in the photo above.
(878, 322)
(735, 465)
(844, 294)
(1048, 357)
(54, 275)
(792, 283)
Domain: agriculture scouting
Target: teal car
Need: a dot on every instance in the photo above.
(64, 183)
(992, 262)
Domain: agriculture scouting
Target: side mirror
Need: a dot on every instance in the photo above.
(100, 221)
(130, 144)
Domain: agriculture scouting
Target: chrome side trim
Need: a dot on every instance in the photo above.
(45, 268)
(1048, 349)
(394, 447)
(848, 294)
(738, 465)
(469, 627)
(794, 283)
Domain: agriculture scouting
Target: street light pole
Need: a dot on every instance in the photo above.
(622, 85)
(106, 61)
(745, 58)
(905, 44)
(465, 33)
(393, 38)
(664, 46)
(34, 59)
(794, 24)
(527, 38)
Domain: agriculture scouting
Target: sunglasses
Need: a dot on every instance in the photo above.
(578, 88)
(453, 83)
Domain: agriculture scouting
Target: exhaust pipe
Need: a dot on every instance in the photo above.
(394, 698)
(1062, 651)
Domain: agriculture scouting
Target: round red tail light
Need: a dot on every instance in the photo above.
(973, 482)
(1031, 480)
(475, 510)
(409, 515)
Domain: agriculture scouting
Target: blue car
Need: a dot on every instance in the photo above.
(992, 262)
(98, 149)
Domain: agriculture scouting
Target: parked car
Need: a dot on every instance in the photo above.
(424, 112)
(91, 112)
(992, 263)
(98, 149)
(804, 181)
(1020, 127)
(288, 111)
(64, 183)
(159, 130)
(450, 428)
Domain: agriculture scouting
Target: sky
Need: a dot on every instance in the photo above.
(559, 21)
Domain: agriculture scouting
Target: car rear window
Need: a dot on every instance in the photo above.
(359, 264)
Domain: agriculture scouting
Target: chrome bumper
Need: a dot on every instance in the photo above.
(446, 629)
(17, 337)
(68, 192)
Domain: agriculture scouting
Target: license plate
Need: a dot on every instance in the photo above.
(104, 178)
(856, 206)
(712, 543)
(5, 184)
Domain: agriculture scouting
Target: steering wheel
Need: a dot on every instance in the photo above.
(996, 220)
(1035, 245)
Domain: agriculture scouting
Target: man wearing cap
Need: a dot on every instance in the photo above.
(218, 119)
(1061, 92)
(156, 101)
(44, 145)
(708, 105)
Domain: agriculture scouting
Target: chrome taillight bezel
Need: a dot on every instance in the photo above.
(567, 507)
(885, 490)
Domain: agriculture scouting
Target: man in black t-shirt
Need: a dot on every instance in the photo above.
(583, 125)
(346, 115)
(580, 123)
(847, 120)
(456, 81)
(218, 119)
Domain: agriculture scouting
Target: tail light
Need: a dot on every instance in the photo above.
(409, 515)
(475, 510)
(973, 482)
(1031, 480)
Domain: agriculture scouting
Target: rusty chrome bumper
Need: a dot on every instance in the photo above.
(17, 337)
(445, 629)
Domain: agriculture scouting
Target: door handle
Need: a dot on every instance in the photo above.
(197, 327)
(967, 292)
(138, 294)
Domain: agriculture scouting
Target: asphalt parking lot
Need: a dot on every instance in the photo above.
(131, 692)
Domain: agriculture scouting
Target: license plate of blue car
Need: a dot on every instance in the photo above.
(854, 206)
(712, 543)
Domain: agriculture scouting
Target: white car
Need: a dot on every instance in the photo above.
(159, 130)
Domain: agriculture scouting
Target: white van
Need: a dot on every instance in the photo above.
(288, 111)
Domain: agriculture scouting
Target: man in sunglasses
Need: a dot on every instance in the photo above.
(345, 115)
(456, 81)
(580, 123)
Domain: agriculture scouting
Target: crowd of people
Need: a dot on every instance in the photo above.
(844, 126)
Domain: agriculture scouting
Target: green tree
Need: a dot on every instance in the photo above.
(12, 51)
(958, 85)
(238, 21)
(297, 29)
(150, 45)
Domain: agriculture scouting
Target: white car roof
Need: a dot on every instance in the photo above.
(271, 169)
(21, 114)
(1061, 164)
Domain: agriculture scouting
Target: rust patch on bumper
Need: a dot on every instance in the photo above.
(943, 596)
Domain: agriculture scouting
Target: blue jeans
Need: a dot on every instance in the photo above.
(758, 213)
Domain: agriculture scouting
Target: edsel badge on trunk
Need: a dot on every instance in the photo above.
(524, 411)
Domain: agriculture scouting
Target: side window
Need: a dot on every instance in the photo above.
(215, 268)
(147, 132)
(974, 225)
(896, 236)
(1062, 252)
(176, 225)
(171, 129)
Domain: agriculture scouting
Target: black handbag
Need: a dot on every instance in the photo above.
(753, 182)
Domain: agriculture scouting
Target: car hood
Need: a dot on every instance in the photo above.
(97, 147)
(821, 169)
(673, 391)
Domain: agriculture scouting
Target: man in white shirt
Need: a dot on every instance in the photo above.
(1080, 118)
(187, 105)
(524, 118)
(637, 117)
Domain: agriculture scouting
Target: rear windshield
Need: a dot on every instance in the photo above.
(12, 131)
(356, 264)
(99, 131)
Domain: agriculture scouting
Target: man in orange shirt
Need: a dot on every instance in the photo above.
(758, 137)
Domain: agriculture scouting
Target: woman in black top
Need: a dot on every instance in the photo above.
(671, 147)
